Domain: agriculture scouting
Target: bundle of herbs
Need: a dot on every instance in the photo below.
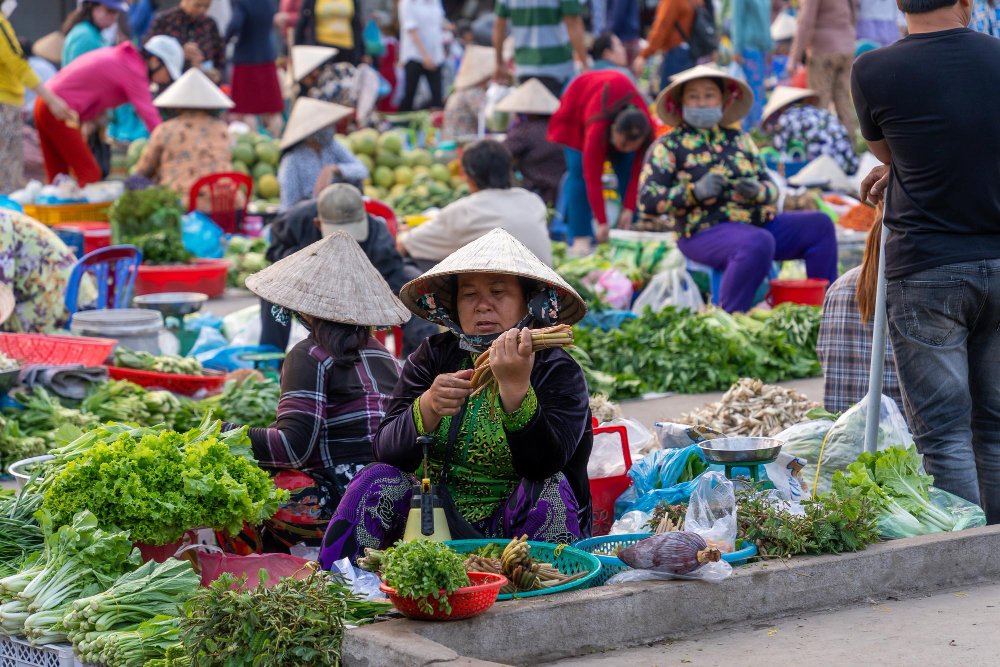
(150, 219)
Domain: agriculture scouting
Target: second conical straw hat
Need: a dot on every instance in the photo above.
(496, 252)
(307, 58)
(333, 280)
(193, 90)
(310, 116)
(530, 97)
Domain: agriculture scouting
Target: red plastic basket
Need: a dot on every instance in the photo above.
(207, 276)
(809, 291)
(56, 350)
(188, 385)
(604, 491)
(465, 602)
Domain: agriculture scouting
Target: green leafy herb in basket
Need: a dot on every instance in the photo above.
(422, 569)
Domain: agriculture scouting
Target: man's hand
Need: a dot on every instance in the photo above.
(511, 361)
(193, 54)
(601, 234)
(638, 65)
(429, 64)
(625, 219)
(445, 397)
(874, 184)
(502, 75)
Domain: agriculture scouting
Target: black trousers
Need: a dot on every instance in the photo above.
(415, 70)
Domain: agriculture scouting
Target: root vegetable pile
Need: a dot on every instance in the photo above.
(752, 408)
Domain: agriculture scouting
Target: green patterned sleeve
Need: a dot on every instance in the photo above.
(417, 419)
(517, 420)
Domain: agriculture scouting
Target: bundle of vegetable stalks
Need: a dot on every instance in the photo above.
(560, 335)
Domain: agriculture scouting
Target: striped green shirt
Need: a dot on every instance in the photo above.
(541, 41)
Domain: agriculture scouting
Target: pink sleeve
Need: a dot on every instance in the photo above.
(137, 91)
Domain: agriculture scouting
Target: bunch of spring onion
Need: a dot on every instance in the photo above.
(174, 656)
(95, 624)
(136, 646)
(560, 335)
(79, 560)
(20, 534)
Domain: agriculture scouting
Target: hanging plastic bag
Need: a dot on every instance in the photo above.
(711, 572)
(662, 476)
(496, 121)
(669, 288)
(711, 511)
(372, 36)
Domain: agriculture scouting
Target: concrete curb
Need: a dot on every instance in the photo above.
(543, 629)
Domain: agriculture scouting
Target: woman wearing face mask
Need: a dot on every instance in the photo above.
(513, 457)
(83, 27)
(311, 158)
(602, 117)
(706, 177)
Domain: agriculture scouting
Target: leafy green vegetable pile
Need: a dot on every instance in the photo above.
(680, 351)
(151, 220)
(250, 402)
(145, 361)
(246, 257)
(296, 622)
(123, 401)
(422, 569)
(157, 484)
(20, 534)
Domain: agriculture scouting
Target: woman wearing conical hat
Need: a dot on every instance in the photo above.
(540, 162)
(513, 457)
(191, 144)
(335, 384)
(801, 131)
(706, 180)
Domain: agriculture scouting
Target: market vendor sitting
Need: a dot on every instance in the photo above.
(513, 458)
(802, 131)
(192, 144)
(335, 384)
(540, 162)
(708, 181)
(311, 157)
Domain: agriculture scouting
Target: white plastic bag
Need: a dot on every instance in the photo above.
(635, 521)
(606, 458)
(711, 512)
(669, 288)
(495, 121)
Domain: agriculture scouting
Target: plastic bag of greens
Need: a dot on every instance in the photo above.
(665, 475)
(711, 511)
(967, 515)
(842, 442)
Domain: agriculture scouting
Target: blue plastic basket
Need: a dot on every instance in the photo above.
(566, 559)
(612, 565)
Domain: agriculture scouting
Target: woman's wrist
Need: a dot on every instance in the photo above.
(512, 396)
(428, 419)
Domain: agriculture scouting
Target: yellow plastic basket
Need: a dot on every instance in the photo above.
(53, 215)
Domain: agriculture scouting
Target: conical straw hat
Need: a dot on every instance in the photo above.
(478, 64)
(738, 94)
(6, 302)
(783, 96)
(193, 90)
(823, 172)
(530, 97)
(50, 47)
(309, 116)
(333, 280)
(305, 59)
(496, 252)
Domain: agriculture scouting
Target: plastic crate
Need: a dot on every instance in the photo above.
(207, 276)
(15, 652)
(566, 559)
(56, 350)
(186, 385)
(53, 215)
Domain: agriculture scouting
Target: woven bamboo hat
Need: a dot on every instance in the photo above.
(310, 116)
(305, 59)
(50, 47)
(530, 97)
(478, 64)
(784, 96)
(6, 302)
(737, 99)
(193, 90)
(496, 252)
(333, 280)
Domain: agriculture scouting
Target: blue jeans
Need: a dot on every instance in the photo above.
(944, 326)
(579, 216)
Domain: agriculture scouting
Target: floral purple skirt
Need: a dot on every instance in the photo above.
(373, 513)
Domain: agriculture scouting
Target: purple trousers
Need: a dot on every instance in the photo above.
(745, 253)
(374, 509)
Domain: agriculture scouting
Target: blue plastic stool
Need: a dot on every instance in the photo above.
(114, 269)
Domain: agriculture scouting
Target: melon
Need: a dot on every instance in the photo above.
(383, 177)
(261, 169)
(268, 153)
(267, 186)
(244, 152)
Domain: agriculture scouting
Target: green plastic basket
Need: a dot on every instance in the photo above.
(569, 560)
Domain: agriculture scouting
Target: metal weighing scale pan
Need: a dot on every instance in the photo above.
(172, 304)
(741, 450)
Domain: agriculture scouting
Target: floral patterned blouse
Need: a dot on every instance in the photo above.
(679, 158)
(816, 132)
(36, 264)
(185, 148)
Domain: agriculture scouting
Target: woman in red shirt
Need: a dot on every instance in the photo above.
(602, 117)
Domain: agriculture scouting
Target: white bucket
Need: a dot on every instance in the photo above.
(135, 328)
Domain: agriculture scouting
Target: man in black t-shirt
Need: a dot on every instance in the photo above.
(929, 107)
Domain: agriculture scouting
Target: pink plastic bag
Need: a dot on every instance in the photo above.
(277, 567)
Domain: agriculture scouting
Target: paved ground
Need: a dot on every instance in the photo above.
(951, 628)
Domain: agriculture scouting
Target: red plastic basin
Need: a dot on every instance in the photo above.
(809, 292)
(207, 276)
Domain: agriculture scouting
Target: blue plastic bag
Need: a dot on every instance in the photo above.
(9, 204)
(229, 357)
(201, 236)
(654, 480)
